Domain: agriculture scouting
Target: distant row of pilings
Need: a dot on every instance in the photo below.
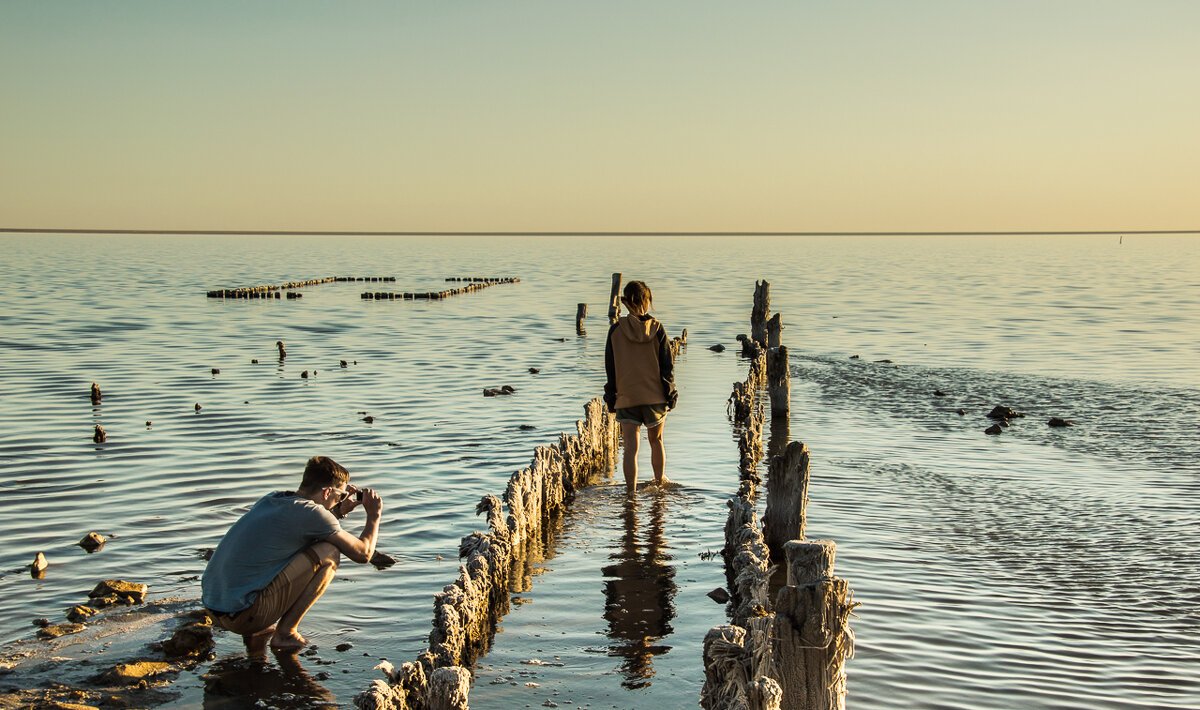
(496, 564)
(475, 283)
(789, 654)
(275, 290)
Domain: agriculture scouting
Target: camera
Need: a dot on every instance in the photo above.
(358, 495)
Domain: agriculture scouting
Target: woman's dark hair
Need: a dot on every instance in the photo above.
(321, 472)
(637, 293)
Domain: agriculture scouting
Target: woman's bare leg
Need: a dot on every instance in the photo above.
(658, 454)
(630, 433)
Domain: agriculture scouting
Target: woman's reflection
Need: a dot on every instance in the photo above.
(639, 592)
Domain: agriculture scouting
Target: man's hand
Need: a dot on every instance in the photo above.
(371, 502)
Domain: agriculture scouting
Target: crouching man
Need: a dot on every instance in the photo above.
(276, 561)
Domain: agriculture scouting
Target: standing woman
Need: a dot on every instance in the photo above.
(641, 380)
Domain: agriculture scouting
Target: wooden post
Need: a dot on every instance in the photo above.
(779, 381)
(758, 316)
(448, 688)
(787, 498)
(724, 672)
(811, 640)
(774, 331)
(580, 314)
(614, 299)
(809, 561)
(764, 694)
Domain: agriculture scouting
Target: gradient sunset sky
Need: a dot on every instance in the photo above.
(877, 115)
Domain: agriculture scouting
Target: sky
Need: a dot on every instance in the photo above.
(796, 116)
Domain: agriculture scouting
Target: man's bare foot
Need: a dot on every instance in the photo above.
(256, 643)
(287, 641)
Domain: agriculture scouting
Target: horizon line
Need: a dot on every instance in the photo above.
(361, 233)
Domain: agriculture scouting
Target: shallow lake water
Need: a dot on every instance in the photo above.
(1040, 568)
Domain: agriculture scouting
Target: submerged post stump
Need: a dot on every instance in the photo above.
(775, 331)
(779, 381)
(448, 688)
(580, 314)
(787, 498)
(614, 299)
(724, 670)
(812, 640)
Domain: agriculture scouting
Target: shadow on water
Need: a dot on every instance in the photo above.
(639, 592)
(236, 683)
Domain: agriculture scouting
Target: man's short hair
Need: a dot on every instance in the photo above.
(322, 472)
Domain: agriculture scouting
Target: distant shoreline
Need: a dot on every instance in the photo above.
(327, 233)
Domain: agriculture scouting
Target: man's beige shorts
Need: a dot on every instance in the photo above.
(276, 598)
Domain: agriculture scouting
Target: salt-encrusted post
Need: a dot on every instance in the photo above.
(810, 636)
(779, 381)
(448, 688)
(758, 316)
(580, 314)
(787, 498)
(614, 299)
(724, 668)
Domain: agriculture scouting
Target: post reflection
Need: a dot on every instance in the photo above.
(640, 591)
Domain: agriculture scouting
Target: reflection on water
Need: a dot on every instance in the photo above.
(639, 592)
(241, 683)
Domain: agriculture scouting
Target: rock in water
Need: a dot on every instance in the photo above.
(80, 614)
(95, 393)
(719, 595)
(382, 560)
(1056, 422)
(999, 412)
(718, 348)
(994, 429)
(99, 436)
(132, 591)
(38, 567)
(53, 631)
(92, 541)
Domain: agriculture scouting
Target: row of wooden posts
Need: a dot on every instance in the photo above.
(274, 290)
(476, 284)
(788, 654)
(496, 564)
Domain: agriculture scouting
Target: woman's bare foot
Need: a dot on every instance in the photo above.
(287, 641)
(256, 643)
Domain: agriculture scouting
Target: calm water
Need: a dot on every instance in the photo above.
(1055, 568)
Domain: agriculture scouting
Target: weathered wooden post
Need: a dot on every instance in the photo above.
(775, 331)
(810, 637)
(580, 314)
(787, 498)
(448, 688)
(724, 670)
(758, 316)
(614, 299)
(779, 381)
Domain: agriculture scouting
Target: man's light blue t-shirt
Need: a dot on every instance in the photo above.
(259, 546)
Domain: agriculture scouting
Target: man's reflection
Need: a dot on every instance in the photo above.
(236, 683)
(639, 592)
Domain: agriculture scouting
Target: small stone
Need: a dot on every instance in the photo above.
(92, 541)
(1057, 422)
(39, 565)
(149, 424)
(507, 389)
(41, 623)
(719, 595)
(53, 631)
(304, 375)
(994, 429)
(254, 361)
(342, 363)
(190, 640)
(534, 370)
(343, 647)
(939, 393)
(98, 435)
(855, 357)
(718, 348)
(215, 371)
(368, 419)
(205, 553)
(95, 393)
(526, 427)
(135, 673)
(962, 412)
(198, 406)
(79, 614)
